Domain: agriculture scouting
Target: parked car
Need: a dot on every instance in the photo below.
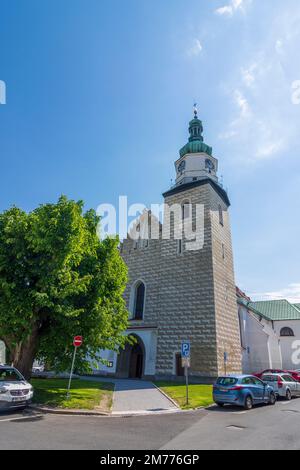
(15, 391)
(37, 369)
(242, 390)
(294, 373)
(284, 385)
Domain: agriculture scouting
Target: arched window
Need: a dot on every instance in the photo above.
(139, 301)
(186, 210)
(286, 331)
(221, 219)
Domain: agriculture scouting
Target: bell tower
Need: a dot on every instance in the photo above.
(197, 287)
(196, 161)
(186, 291)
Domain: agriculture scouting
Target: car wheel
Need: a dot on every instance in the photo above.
(288, 395)
(248, 403)
(272, 399)
(220, 404)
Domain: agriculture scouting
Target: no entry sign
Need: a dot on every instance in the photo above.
(77, 341)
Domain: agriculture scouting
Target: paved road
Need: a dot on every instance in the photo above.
(92, 433)
(137, 396)
(265, 428)
(262, 428)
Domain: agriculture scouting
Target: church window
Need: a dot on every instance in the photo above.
(179, 247)
(139, 301)
(186, 206)
(221, 219)
(286, 332)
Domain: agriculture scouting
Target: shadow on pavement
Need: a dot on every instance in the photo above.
(20, 415)
(233, 409)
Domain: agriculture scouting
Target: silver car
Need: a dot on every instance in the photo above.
(283, 384)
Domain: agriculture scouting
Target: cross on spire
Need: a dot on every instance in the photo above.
(195, 110)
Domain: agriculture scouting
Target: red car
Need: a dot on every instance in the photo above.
(295, 374)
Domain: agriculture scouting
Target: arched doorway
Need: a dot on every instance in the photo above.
(136, 362)
(131, 360)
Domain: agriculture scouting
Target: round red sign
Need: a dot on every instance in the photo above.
(77, 341)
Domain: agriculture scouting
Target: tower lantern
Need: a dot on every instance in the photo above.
(195, 161)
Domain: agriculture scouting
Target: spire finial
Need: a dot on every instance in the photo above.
(195, 110)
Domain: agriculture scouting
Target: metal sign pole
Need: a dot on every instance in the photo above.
(71, 373)
(187, 384)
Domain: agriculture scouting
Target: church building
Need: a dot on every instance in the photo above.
(176, 294)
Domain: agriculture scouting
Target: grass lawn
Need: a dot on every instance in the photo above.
(199, 395)
(85, 394)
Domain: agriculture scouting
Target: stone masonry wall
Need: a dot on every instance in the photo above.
(190, 295)
(227, 324)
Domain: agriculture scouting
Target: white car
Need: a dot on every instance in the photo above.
(283, 384)
(15, 392)
(37, 369)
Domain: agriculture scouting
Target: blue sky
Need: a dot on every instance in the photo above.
(99, 95)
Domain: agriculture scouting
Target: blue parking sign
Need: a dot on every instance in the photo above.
(185, 349)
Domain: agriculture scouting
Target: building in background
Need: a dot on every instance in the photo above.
(269, 334)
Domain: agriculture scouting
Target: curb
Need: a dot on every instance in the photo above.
(61, 411)
(167, 396)
(125, 414)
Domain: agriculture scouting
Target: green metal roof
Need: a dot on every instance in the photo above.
(195, 147)
(246, 304)
(277, 310)
(195, 143)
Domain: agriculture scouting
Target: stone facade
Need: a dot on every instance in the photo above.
(189, 295)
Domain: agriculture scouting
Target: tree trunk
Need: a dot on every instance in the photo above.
(24, 354)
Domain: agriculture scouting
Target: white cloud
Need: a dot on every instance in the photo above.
(290, 293)
(195, 49)
(242, 104)
(244, 115)
(263, 121)
(232, 7)
(270, 149)
(249, 74)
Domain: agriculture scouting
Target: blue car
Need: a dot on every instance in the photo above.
(242, 390)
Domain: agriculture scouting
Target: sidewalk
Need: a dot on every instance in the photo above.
(137, 397)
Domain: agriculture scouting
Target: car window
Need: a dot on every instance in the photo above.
(247, 381)
(227, 381)
(288, 378)
(270, 378)
(10, 375)
(256, 381)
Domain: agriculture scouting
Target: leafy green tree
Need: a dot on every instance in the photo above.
(57, 280)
